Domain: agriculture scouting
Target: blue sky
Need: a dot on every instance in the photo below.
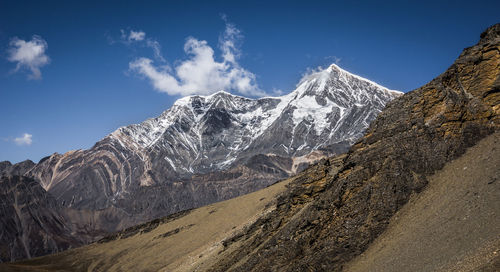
(73, 71)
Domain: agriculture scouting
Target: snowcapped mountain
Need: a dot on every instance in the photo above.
(200, 134)
(209, 148)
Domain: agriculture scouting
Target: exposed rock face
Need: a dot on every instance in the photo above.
(18, 169)
(450, 226)
(326, 220)
(159, 200)
(31, 222)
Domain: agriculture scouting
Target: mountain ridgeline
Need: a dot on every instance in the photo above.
(202, 150)
(328, 111)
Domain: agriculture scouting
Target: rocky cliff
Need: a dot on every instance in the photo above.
(18, 169)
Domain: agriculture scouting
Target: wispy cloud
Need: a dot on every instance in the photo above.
(29, 55)
(201, 73)
(335, 59)
(26, 139)
(138, 37)
(325, 61)
(156, 49)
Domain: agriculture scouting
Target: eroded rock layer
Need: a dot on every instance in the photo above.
(31, 221)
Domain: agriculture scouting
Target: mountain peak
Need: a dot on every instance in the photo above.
(221, 93)
(334, 66)
(188, 100)
(491, 34)
(343, 88)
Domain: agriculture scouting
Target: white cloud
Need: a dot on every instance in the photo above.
(29, 54)
(156, 49)
(201, 73)
(278, 92)
(26, 139)
(227, 43)
(136, 35)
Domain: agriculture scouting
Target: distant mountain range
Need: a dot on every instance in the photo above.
(205, 149)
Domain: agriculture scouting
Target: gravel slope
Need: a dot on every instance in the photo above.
(452, 226)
